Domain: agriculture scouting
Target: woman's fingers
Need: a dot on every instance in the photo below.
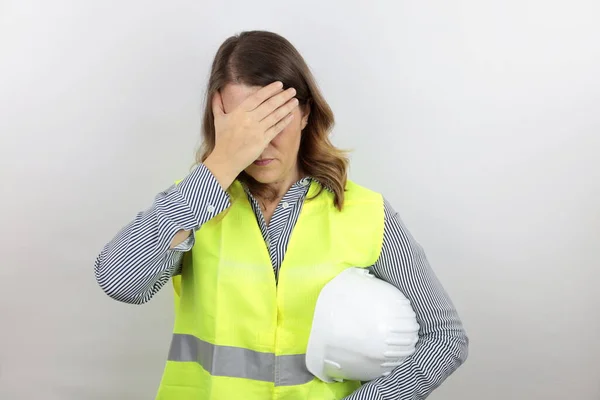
(242, 134)
(278, 127)
(263, 94)
(271, 105)
(280, 113)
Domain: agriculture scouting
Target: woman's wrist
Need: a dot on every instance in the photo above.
(221, 169)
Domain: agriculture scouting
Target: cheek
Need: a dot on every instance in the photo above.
(288, 140)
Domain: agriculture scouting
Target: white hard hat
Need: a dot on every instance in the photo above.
(362, 329)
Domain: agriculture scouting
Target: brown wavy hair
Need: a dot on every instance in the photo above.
(258, 58)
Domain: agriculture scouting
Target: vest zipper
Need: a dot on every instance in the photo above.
(277, 370)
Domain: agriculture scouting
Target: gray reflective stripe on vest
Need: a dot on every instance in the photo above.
(237, 362)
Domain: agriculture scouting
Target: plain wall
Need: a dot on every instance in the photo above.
(478, 120)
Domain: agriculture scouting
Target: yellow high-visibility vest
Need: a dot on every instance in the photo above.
(239, 334)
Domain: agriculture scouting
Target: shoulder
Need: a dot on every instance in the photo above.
(358, 193)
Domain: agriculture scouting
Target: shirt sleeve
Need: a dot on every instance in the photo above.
(443, 343)
(137, 262)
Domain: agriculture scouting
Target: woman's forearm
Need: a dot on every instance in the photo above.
(443, 343)
(142, 257)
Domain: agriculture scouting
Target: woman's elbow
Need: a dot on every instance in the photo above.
(117, 293)
(451, 349)
(463, 347)
(114, 287)
(457, 348)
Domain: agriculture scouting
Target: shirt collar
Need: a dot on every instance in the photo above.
(298, 189)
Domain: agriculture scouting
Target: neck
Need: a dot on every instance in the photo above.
(278, 189)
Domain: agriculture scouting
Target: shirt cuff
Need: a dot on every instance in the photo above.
(203, 194)
(187, 244)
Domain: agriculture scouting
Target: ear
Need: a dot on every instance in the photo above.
(305, 114)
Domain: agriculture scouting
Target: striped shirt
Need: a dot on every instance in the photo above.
(137, 263)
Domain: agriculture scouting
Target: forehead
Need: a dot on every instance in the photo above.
(234, 94)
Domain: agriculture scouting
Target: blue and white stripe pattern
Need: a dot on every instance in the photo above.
(137, 263)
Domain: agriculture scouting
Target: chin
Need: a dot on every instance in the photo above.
(264, 175)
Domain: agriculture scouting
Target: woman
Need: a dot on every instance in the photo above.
(253, 233)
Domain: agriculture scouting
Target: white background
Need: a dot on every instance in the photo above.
(478, 120)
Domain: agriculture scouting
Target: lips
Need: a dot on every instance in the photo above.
(263, 162)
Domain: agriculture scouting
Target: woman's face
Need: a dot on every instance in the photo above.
(282, 169)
